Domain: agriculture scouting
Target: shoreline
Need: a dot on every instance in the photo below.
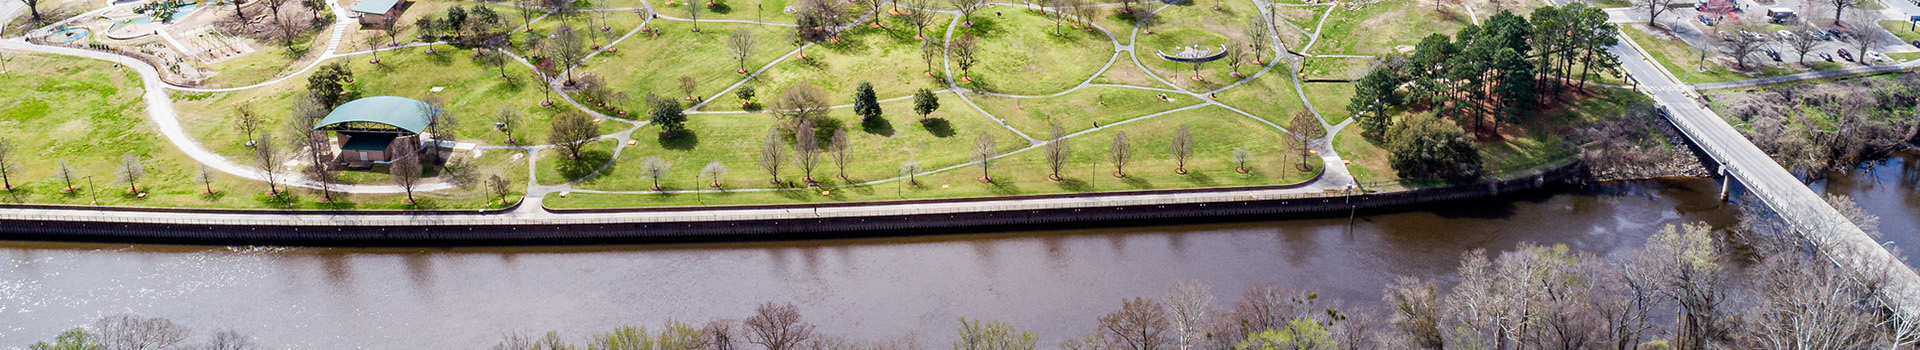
(509, 227)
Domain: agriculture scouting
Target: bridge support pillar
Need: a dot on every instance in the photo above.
(1726, 183)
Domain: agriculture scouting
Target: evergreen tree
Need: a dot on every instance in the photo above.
(865, 103)
(925, 102)
(667, 114)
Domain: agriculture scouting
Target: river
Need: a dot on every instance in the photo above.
(1053, 282)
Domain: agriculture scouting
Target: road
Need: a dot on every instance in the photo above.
(1805, 210)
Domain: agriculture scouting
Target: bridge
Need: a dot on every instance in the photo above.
(1799, 206)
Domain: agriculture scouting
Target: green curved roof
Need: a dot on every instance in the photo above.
(399, 112)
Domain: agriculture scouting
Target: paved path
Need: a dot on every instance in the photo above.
(1843, 242)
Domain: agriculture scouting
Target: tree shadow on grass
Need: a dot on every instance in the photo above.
(1199, 178)
(580, 168)
(1136, 182)
(977, 83)
(877, 126)
(680, 141)
(1004, 186)
(1075, 185)
(939, 127)
(280, 201)
(720, 8)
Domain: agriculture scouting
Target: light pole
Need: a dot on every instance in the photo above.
(91, 192)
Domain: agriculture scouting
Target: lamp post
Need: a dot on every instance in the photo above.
(91, 192)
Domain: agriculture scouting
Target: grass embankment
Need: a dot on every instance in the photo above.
(1080, 110)
(1383, 27)
(87, 113)
(1684, 60)
(1216, 132)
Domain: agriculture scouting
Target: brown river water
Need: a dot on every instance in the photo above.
(1054, 282)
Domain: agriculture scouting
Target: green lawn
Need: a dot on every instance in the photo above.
(1087, 170)
(1380, 28)
(1079, 110)
(1020, 54)
(1177, 27)
(1330, 99)
(1902, 29)
(875, 152)
(472, 92)
(1270, 96)
(648, 63)
(88, 117)
(270, 59)
(887, 57)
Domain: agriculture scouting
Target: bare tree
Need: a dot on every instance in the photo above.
(693, 15)
(1120, 153)
(773, 154)
(919, 17)
(1189, 305)
(313, 143)
(654, 168)
(778, 327)
(689, 87)
(800, 102)
(910, 169)
(65, 172)
(720, 335)
(1803, 44)
(1256, 30)
(1140, 324)
(963, 51)
(517, 341)
(1806, 304)
(1415, 307)
(405, 170)
(966, 8)
(230, 340)
(1240, 157)
(1860, 30)
(1236, 54)
(1740, 44)
(247, 122)
(1180, 148)
(1839, 8)
(131, 171)
(571, 131)
(129, 332)
(742, 43)
(268, 158)
(1685, 263)
(992, 335)
(499, 186)
(1057, 151)
(806, 149)
(1305, 128)
(1654, 8)
(985, 152)
(566, 47)
(8, 166)
(505, 121)
(838, 147)
(714, 171)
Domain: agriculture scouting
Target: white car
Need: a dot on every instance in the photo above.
(1784, 35)
(1875, 56)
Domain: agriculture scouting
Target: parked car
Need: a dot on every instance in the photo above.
(1775, 54)
(1755, 36)
(1817, 34)
(1826, 56)
(1875, 56)
(1916, 43)
(1846, 55)
(1705, 20)
(1835, 33)
(1784, 35)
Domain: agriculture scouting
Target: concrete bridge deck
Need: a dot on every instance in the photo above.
(1805, 210)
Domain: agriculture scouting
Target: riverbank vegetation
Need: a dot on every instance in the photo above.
(1500, 90)
(1819, 128)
